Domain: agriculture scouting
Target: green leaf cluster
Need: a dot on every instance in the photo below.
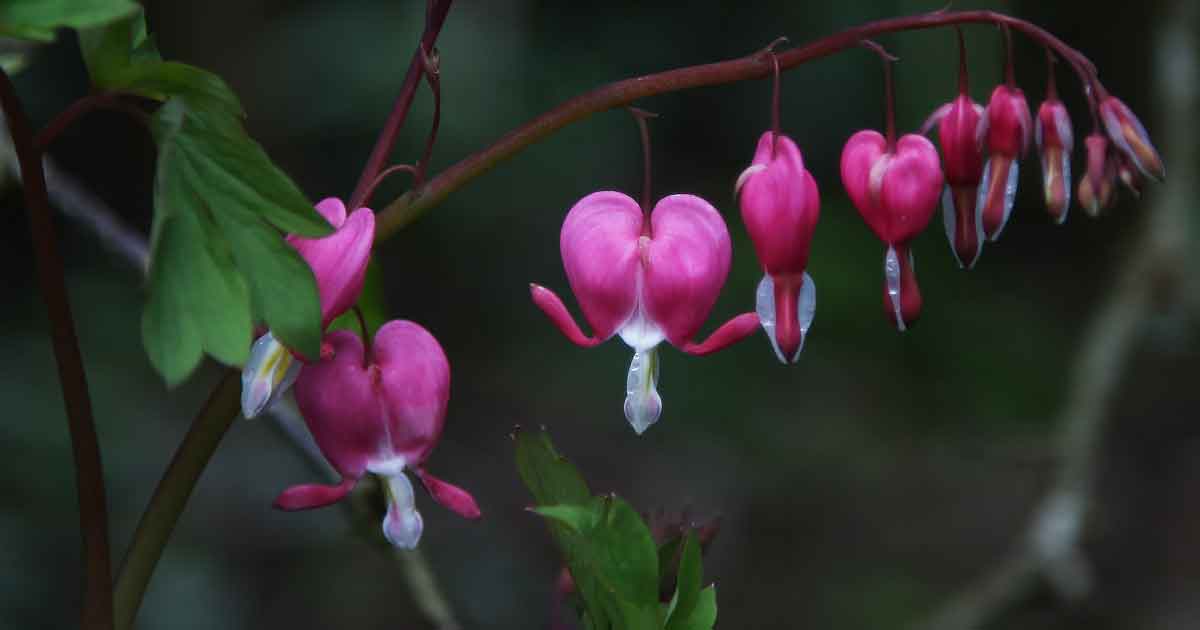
(37, 20)
(219, 261)
(610, 552)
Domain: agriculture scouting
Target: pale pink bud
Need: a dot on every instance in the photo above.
(1130, 137)
(1096, 186)
(1055, 141)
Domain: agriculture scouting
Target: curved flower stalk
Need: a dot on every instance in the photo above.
(379, 410)
(645, 279)
(339, 263)
(895, 188)
(780, 206)
(957, 123)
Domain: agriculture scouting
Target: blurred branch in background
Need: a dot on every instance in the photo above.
(1152, 278)
(78, 203)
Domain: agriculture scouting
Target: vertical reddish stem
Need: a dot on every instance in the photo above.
(435, 17)
(89, 474)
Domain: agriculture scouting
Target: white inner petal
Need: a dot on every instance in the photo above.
(764, 307)
(806, 308)
(746, 174)
(643, 405)
(950, 221)
(639, 332)
(891, 271)
(403, 524)
(268, 373)
(1066, 173)
(985, 184)
(1010, 195)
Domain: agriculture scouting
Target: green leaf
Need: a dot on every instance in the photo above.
(234, 167)
(198, 302)
(169, 333)
(122, 57)
(282, 285)
(217, 264)
(38, 19)
(687, 584)
(549, 476)
(703, 615)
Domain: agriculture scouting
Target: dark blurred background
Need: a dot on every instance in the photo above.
(870, 486)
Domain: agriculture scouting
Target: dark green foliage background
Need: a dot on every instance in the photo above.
(858, 489)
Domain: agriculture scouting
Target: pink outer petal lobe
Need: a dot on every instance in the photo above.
(685, 265)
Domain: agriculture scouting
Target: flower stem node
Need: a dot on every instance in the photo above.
(381, 414)
(645, 283)
(896, 191)
(780, 206)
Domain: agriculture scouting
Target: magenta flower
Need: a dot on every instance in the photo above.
(1055, 141)
(646, 279)
(1130, 137)
(780, 207)
(957, 123)
(1005, 130)
(339, 263)
(379, 411)
(895, 189)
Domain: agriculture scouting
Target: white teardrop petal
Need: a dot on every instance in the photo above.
(268, 373)
(950, 222)
(1010, 195)
(1066, 174)
(806, 308)
(643, 405)
(402, 525)
(764, 307)
(891, 271)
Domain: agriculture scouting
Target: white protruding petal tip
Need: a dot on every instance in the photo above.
(643, 405)
(764, 307)
(950, 222)
(806, 308)
(268, 373)
(402, 526)
(746, 174)
(891, 271)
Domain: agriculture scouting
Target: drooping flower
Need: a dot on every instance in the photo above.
(1005, 130)
(1055, 141)
(962, 157)
(780, 207)
(339, 263)
(1130, 137)
(646, 279)
(1096, 186)
(379, 410)
(957, 122)
(895, 189)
